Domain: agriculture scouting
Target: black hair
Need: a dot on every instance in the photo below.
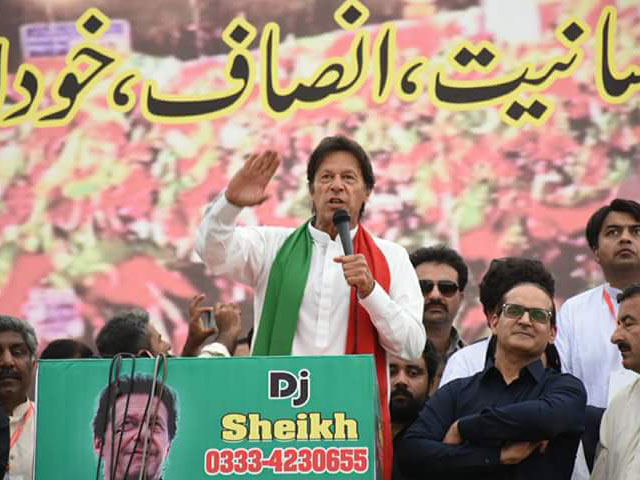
(125, 332)
(431, 360)
(340, 143)
(594, 225)
(506, 273)
(445, 255)
(66, 348)
(140, 384)
(629, 292)
(553, 358)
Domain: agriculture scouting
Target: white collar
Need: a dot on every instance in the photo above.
(612, 291)
(323, 238)
(19, 411)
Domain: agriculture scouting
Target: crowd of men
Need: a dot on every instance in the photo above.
(542, 397)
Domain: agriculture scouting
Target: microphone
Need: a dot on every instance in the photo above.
(341, 220)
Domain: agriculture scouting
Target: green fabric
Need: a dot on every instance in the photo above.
(282, 300)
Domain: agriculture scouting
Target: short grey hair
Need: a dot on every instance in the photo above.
(13, 324)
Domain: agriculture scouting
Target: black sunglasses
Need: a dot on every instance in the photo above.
(446, 287)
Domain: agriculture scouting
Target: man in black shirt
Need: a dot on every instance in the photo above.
(513, 420)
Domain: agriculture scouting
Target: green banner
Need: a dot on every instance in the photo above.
(275, 417)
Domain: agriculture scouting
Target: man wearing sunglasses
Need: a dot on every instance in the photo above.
(443, 276)
(515, 419)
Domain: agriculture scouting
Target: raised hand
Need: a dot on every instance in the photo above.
(248, 186)
(198, 331)
(229, 323)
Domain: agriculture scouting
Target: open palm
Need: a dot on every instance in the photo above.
(248, 185)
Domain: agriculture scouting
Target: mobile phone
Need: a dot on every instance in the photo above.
(209, 319)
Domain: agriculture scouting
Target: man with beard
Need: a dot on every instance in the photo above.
(18, 345)
(410, 383)
(443, 276)
(119, 442)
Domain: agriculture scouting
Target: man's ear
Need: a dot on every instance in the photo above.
(366, 199)
(596, 255)
(552, 333)
(493, 323)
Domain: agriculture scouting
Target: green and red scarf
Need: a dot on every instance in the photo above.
(281, 311)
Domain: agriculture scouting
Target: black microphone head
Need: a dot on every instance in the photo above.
(340, 216)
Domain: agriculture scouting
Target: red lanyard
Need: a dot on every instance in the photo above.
(20, 428)
(609, 302)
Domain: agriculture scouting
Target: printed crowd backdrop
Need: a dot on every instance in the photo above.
(100, 213)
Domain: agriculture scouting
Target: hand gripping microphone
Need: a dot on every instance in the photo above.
(341, 221)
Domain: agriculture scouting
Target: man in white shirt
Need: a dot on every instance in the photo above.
(367, 302)
(18, 345)
(338, 179)
(619, 450)
(587, 321)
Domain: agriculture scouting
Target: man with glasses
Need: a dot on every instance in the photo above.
(443, 276)
(515, 419)
(502, 274)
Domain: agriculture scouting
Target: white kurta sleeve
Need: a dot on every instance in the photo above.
(600, 470)
(239, 253)
(398, 315)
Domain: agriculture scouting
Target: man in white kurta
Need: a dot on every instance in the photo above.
(333, 294)
(246, 254)
(619, 451)
(585, 326)
(18, 344)
(22, 440)
(587, 321)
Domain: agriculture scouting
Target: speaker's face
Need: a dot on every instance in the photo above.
(338, 184)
